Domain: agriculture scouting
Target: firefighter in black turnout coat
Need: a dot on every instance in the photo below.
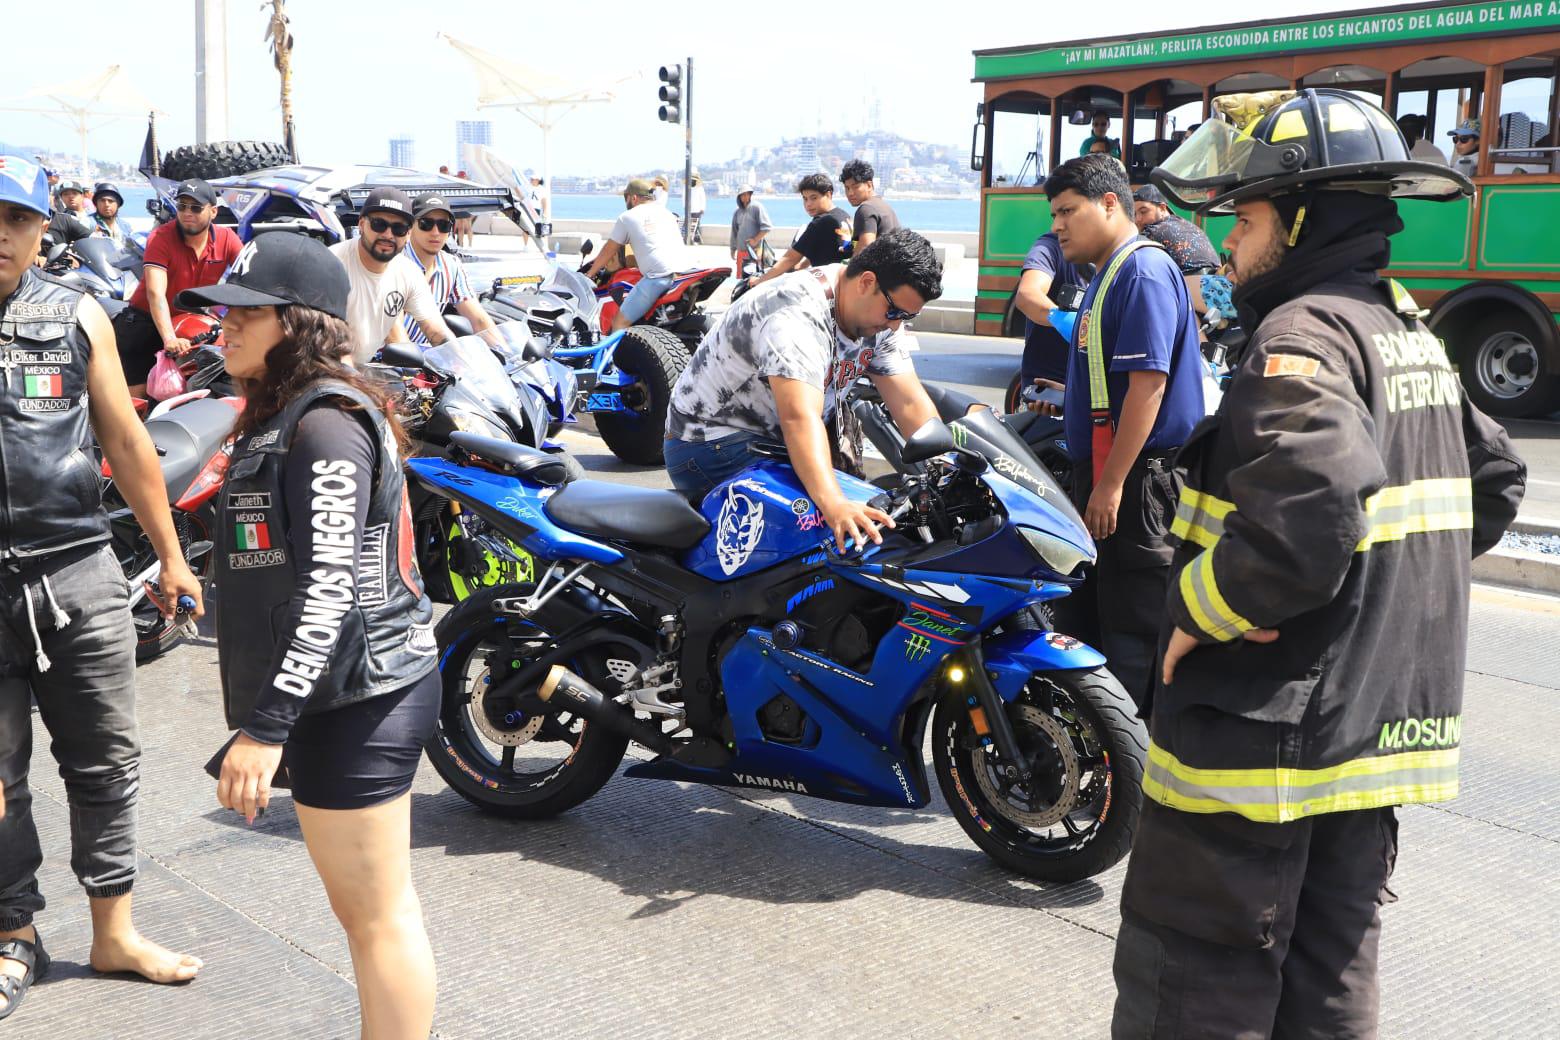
(1317, 620)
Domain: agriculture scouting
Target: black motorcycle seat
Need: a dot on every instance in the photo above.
(186, 438)
(624, 513)
(522, 460)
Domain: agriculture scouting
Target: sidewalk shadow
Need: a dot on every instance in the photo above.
(670, 850)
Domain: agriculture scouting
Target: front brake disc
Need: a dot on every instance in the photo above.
(1006, 801)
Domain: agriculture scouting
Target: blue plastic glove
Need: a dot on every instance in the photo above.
(1063, 322)
(1216, 290)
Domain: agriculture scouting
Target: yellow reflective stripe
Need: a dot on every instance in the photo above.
(1199, 517)
(1281, 794)
(1094, 328)
(1437, 504)
(1393, 513)
(1206, 604)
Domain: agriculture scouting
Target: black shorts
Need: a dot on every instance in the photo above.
(139, 342)
(362, 754)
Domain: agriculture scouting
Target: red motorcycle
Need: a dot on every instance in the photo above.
(677, 310)
(192, 434)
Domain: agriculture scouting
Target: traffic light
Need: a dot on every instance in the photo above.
(671, 93)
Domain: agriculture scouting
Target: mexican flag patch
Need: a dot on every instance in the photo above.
(44, 386)
(252, 536)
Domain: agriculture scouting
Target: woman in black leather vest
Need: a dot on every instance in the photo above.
(323, 629)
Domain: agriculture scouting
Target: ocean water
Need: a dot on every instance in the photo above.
(784, 210)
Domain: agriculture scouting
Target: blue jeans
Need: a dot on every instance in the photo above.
(643, 296)
(697, 466)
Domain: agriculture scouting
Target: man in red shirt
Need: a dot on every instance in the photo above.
(188, 252)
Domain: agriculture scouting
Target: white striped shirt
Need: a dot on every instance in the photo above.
(448, 284)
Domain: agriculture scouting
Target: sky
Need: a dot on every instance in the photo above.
(366, 72)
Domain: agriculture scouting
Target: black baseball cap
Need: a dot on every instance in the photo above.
(198, 190)
(431, 204)
(390, 200)
(1150, 194)
(275, 269)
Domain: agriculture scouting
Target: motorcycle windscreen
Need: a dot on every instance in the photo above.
(574, 285)
(479, 385)
(102, 257)
(1009, 455)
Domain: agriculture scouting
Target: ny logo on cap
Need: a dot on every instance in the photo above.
(245, 257)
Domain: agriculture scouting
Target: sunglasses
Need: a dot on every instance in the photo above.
(896, 312)
(379, 225)
(428, 224)
(189, 207)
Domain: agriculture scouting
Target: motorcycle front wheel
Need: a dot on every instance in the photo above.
(1076, 816)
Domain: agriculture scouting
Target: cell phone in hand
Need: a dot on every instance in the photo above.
(1044, 395)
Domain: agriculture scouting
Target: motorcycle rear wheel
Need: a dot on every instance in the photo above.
(496, 757)
(1077, 816)
(655, 358)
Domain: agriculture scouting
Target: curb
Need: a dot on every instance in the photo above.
(957, 316)
(1519, 568)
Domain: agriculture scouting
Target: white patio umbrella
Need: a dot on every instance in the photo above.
(539, 96)
(87, 104)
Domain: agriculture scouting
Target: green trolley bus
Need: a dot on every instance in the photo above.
(1487, 268)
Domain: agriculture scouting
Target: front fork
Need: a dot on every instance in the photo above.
(967, 674)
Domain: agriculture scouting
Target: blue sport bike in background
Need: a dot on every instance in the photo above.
(736, 644)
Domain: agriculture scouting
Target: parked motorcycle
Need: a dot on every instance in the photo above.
(460, 386)
(737, 644)
(624, 379)
(98, 266)
(191, 437)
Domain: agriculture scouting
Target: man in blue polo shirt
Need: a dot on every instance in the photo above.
(1134, 392)
(1045, 273)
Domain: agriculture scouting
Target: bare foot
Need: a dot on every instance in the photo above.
(143, 957)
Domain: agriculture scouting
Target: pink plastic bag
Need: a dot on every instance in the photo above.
(165, 380)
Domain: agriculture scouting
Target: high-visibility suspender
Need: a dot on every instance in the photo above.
(1103, 430)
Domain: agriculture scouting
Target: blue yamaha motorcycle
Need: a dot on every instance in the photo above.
(737, 644)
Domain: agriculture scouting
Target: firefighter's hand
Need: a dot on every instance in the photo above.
(1181, 644)
(1100, 515)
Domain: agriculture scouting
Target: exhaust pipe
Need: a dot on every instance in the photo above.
(563, 689)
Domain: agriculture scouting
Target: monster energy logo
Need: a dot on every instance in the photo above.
(917, 647)
(960, 436)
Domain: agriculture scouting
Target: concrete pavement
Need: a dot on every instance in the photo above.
(666, 910)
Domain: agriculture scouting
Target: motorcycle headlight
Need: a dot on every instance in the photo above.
(471, 422)
(1060, 555)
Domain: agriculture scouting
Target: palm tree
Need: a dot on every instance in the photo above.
(279, 33)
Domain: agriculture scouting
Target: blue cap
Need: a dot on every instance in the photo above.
(24, 183)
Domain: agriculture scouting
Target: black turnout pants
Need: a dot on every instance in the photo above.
(1234, 930)
(1132, 573)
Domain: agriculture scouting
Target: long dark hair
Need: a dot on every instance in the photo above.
(312, 349)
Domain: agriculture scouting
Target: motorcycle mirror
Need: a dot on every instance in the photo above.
(55, 252)
(587, 247)
(401, 355)
(1079, 117)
